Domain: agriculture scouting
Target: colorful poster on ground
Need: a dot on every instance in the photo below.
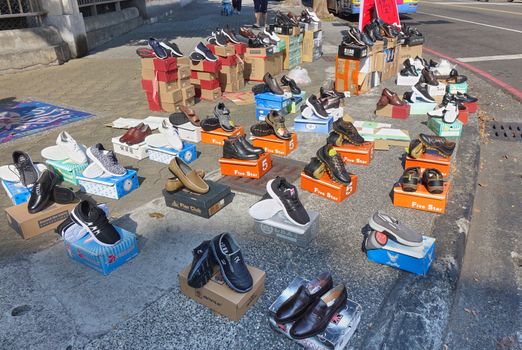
(19, 119)
(387, 11)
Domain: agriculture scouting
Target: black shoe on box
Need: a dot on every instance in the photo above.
(350, 50)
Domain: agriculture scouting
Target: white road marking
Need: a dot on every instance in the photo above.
(472, 22)
(469, 3)
(490, 58)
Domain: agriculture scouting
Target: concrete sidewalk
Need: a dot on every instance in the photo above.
(48, 301)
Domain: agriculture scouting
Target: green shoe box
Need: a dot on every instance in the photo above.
(67, 170)
(440, 128)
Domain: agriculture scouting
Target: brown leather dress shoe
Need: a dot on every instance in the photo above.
(129, 132)
(139, 135)
(191, 115)
(318, 315)
(247, 33)
(383, 102)
(392, 97)
(173, 183)
(295, 306)
(189, 177)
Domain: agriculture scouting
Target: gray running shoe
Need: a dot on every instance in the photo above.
(106, 160)
(401, 233)
(223, 114)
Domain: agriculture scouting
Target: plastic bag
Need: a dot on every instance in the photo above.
(300, 76)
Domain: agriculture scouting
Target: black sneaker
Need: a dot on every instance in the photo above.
(205, 52)
(94, 220)
(196, 56)
(170, 46)
(26, 169)
(422, 92)
(317, 107)
(210, 123)
(286, 194)
(231, 36)
(261, 129)
(334, 164)
(286, 81)
(227, 254)
(255, 43)
(315, 168)
(349, 132)
(201, 270)
(221, 38)
(158, 49)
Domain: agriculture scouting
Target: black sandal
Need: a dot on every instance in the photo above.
(433, 181)
(410, 179)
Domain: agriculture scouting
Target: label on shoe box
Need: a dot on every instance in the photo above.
(100, 258)
(274, 145)
(416, 260)
(204, 205)
(138, 151)
(111, 187)
(327, 188)
(337, 334)
(253, 169)
(360, 155)
(259, 51)
(166, 154)
(421, 199)
(30, 225)
(281, 228)
(217, 137)
(17, 192)
(218, 297)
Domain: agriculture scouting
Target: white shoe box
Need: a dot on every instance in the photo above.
(406, 81)
(189, 132)
(281, 228)
(138, 151)
(439, 90)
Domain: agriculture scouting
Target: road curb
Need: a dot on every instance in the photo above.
(415, 313)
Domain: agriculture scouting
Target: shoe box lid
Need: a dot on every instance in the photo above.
(103, 259)
(217, 296)
(339, 331)
(30, 225)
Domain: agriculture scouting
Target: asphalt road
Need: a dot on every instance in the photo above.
(477, 32)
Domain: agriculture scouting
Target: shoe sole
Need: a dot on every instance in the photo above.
(315, 111)
(78, 221)
(98, 163)
(421, 96)
(229, 284)
(204, 55)
(276, 197)
(380, 228)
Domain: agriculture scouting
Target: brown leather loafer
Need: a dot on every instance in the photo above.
(130, 131)
(189, 177)
(392, 97)
(139, 135)
(173, 183)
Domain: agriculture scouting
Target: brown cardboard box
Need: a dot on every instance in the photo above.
(230, 69)
(169, 92)
(409, 52)
(170, 106)
(183, 61)
(210, 94)
(188, 92)
(228, 50)
(30, 225)
(259, 51)
(308, 47)
(147, 63)
(255, 67)
(195, 81)
(183, 72)
(189, 102)
(217, 296)
(195, 75)
(377, 61)
(183, 83)
(147, 74)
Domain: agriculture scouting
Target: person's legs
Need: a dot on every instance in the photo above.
(257, 11)
(266, 18)
(264, 10)
(238, 7)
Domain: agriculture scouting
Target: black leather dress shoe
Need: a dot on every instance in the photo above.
(295, 306)
(334, 164)
(249, 147)
(318, 315)
(233, 148)
(227, 254)
(62, 195)
(42, 192)
(260, 89)
(272, 84)
(286, 81)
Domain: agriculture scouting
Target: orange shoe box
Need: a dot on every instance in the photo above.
(430, 161)
(422, 199)
(218, 136)
(327, 188)
(361, 155)
(463, 115)
(273, 144)
(254, 169)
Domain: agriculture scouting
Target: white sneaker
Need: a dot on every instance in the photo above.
(438, 112)
(272, 35)
(172, 135)
(418, 64)
(66, 148)
(451, 113)
(264, 209)
(312, 15)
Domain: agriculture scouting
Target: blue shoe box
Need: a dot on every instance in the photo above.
(102, 258)
(17, 192)
(314, 124)
(111, 187)
(273, 101)
(166, 154)
(416, 260)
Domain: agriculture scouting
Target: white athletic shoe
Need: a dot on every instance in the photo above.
(66, 148)
(451, 113)
(312, 15)
(172, 135)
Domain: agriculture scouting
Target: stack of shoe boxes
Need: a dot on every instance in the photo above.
(390, 55)
(292, 55)
(259, 61)
(360, 68)
(231, 73)
(166, 83)
(312, 43)
(204, 75)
